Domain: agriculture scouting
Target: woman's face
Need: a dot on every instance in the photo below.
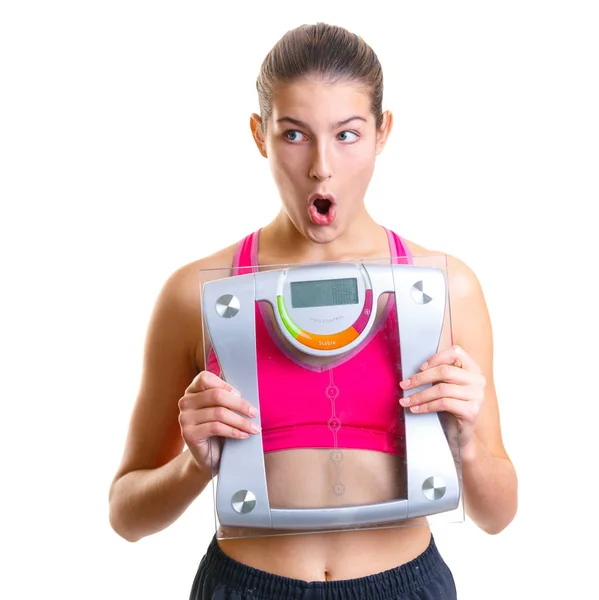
(321, 143)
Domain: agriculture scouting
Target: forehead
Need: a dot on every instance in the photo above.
(316, 101)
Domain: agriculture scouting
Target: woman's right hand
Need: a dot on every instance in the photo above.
(211, 410)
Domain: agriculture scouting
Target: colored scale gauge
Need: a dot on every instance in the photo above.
(314, 313)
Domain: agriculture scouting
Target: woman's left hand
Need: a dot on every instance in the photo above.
(458, 387)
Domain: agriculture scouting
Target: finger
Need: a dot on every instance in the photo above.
(441, 390)
(462, 410)
(443, 372)
(217, 397)
(454, 355)
(197, 434)
(220, 414)
(206, 380)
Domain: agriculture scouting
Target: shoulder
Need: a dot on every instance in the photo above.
(178, 305)
(464, 284)
(175, 329)
(470, 320)
(184, 282)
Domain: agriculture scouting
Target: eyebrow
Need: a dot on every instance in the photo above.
(306, 126)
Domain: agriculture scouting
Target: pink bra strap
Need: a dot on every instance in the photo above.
(399, 250)
(243, 261)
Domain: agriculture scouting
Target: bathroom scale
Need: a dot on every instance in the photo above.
(326, 310)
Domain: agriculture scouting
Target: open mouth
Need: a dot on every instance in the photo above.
(322, 209)
(322, 205)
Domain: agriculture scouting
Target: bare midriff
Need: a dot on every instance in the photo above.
(308, 478)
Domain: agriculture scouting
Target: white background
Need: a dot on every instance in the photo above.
(125, 153)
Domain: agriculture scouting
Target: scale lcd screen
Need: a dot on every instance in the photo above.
(325, 292)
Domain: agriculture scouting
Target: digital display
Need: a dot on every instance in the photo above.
(325, 292)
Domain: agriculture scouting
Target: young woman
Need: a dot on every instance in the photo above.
(321, 126)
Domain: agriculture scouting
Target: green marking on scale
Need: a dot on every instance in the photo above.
(291, 327)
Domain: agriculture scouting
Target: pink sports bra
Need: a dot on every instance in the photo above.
(352, 402)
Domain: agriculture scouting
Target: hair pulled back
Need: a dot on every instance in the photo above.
(328, 52)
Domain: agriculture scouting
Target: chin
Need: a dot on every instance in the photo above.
(322, 234)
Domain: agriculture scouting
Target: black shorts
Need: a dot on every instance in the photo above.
(219, 577)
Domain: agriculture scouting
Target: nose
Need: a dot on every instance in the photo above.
(320, 165)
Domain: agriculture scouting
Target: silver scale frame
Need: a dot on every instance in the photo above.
(433, 483)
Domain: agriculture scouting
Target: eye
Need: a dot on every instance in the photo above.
(293, 135)
(347, 136)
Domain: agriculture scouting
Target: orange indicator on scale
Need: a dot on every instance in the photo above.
(329, 341)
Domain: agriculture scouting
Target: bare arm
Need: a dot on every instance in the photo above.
(461, 378)
(145, 501)
(490, 481)
(156, 481)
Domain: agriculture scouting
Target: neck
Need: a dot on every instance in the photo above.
(281, 242)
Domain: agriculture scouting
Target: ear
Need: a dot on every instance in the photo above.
(257, 133)
(383, 133)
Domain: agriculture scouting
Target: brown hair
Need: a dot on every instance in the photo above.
(327, 51)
